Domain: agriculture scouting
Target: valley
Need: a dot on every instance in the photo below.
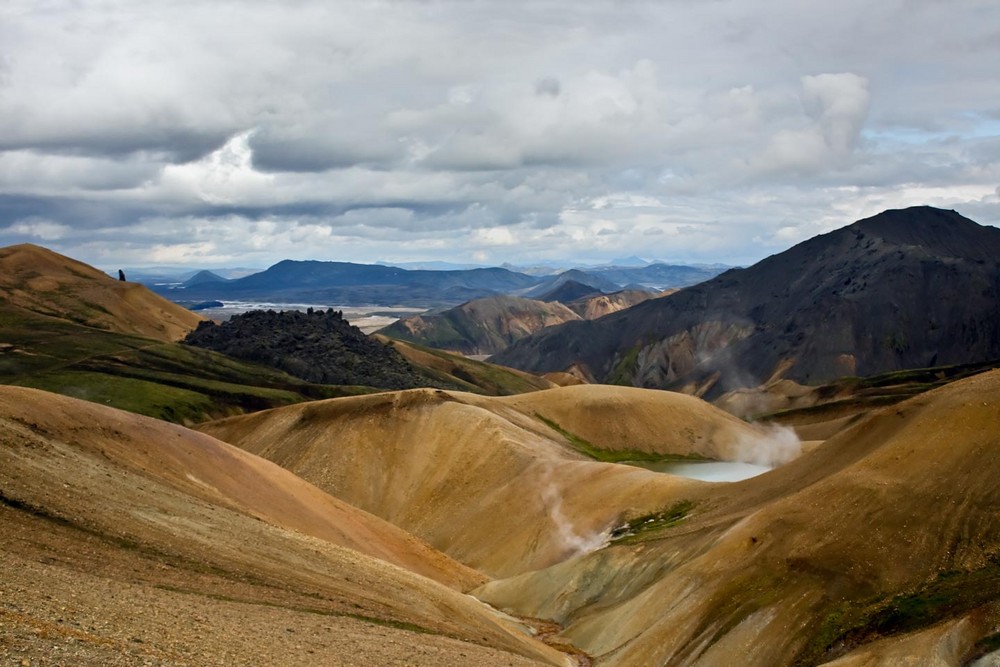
(816, 487)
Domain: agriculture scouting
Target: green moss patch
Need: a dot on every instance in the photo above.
(950, 595)
(606, 455)
(652, 526)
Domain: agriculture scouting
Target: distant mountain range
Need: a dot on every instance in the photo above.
(346, 283)
(907, 288)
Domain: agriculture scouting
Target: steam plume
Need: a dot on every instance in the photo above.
(573, 543)
(773, 446)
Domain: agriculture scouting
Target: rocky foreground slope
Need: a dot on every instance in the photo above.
(131, 541)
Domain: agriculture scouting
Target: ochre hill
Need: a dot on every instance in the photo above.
(41, 281)
(879, 545)
(481, 326)
(491, 324)
(504, 485)
(126, 539)
(593, 307)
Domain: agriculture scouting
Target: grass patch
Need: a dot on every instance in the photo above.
(168, 381)
(466, 374)
(624, 370)
(652, 526)
(949, 595)
(598, 453)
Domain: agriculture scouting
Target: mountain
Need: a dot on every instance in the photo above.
(593, 307)
(570, 290)
(480, 326)
(907, 288)
(631, 261)
(585, 278)
(658, 275)
(432, 266)
(37, 280)
(203, 278)
(346, 283)
(489, 325)
(130, 541)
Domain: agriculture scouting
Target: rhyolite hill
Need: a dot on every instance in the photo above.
(907, 288)
(491, 324)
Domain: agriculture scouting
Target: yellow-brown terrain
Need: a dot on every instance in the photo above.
(127, 539)
(389, 528)
(495, 482)
(41, 281)
(888, 529)
(883, 532)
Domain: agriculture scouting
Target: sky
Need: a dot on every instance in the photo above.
(240, 133)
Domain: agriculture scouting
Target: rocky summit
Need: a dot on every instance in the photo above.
(907, 288)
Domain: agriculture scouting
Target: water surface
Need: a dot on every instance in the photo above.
(707, 471)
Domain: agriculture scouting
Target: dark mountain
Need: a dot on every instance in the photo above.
(908, 288)
(657, 275)
(203, 278)
(348, 283)
(317, 346)
(481, 326)
(568, 291)
(550, 283)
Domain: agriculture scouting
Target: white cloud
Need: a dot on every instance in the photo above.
(437, 130)
(39, 229)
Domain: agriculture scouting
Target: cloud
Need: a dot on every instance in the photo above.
(836, 106)
(717, 131)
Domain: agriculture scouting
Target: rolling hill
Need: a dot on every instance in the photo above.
(907, 288)
(440, 464)
(879, 545)
(36, 280)
(128, 541)
(844, 552)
